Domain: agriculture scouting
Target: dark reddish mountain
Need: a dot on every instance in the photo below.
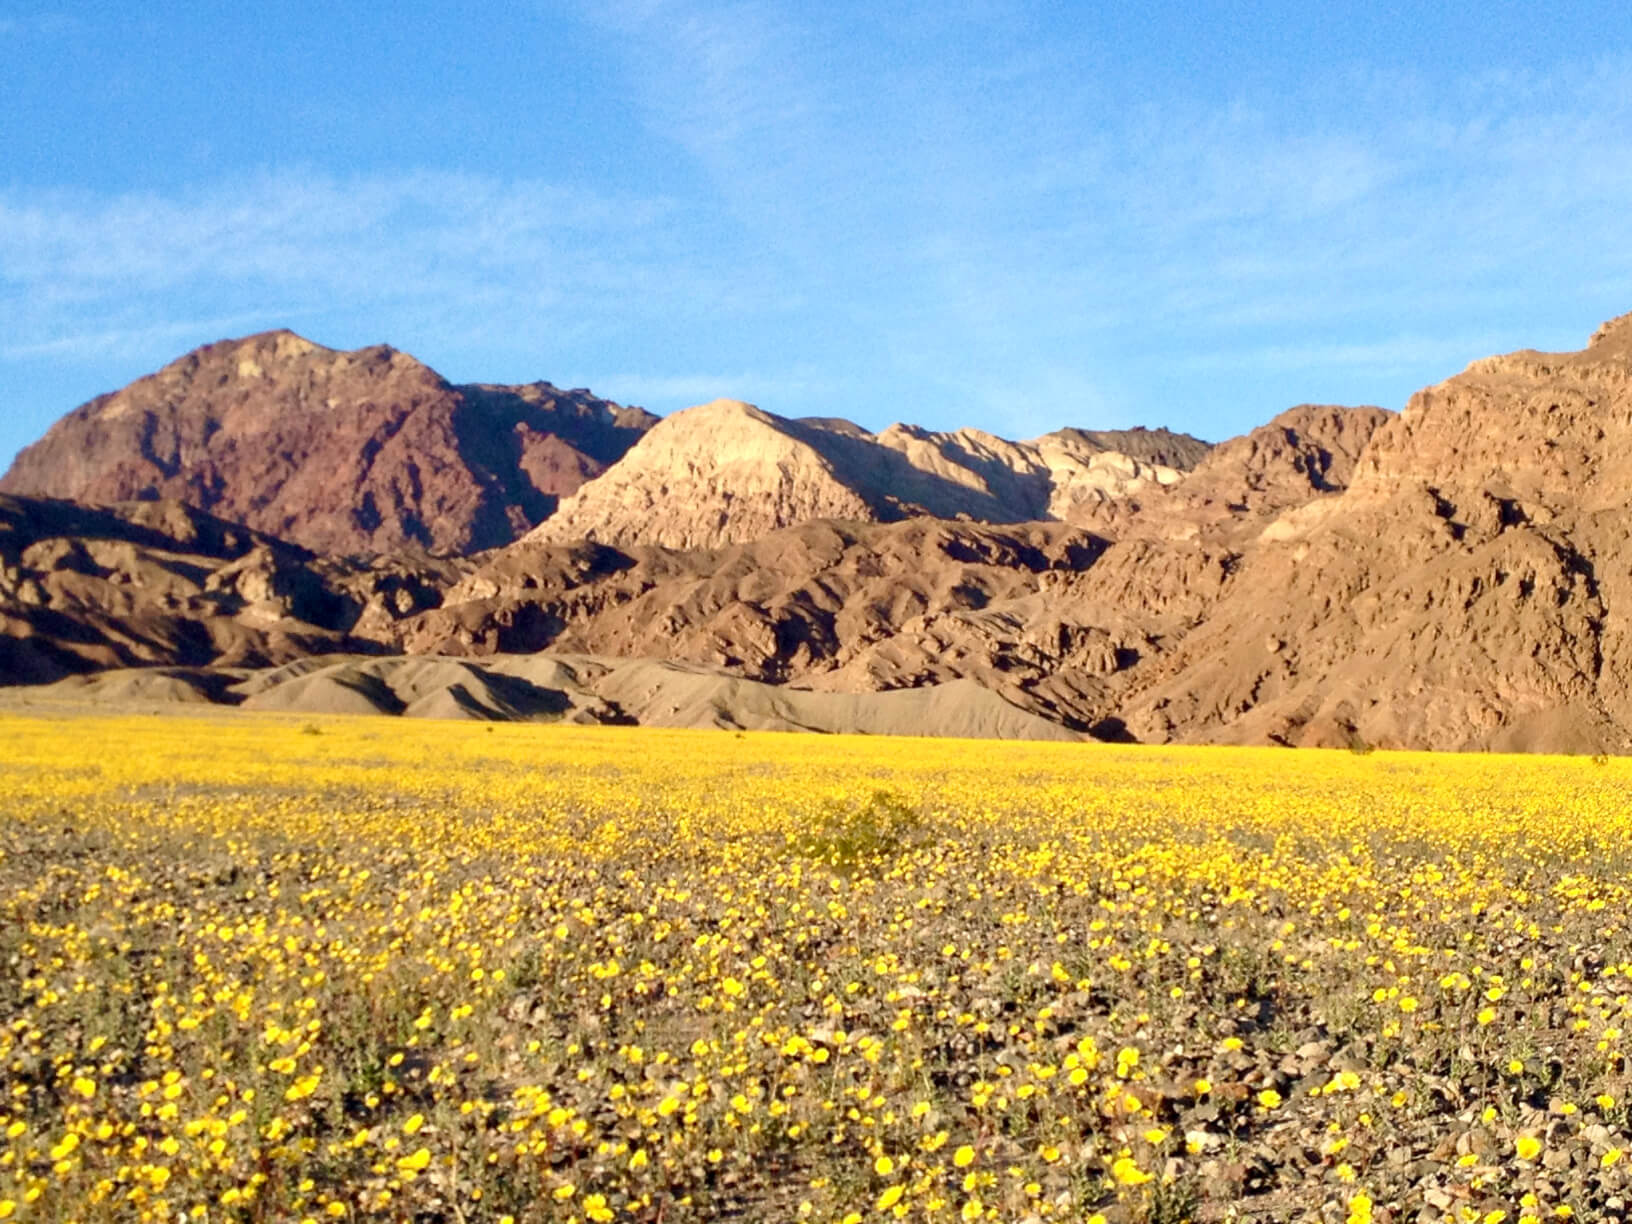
(342, 452)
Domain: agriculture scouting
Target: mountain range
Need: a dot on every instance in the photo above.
(271, 523)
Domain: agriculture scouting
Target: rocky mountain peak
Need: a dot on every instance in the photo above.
(367, 450)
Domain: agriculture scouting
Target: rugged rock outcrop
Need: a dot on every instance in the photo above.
(341, 452)
(1471, 588)
(1307, 450)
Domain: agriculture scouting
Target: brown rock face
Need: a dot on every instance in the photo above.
(366, 451)
(1471, 588)
(1306, 450)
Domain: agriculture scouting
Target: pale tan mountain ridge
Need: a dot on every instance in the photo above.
(720, 472)
(364, 451)
(727, 472)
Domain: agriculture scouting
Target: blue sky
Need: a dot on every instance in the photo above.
(967, 212)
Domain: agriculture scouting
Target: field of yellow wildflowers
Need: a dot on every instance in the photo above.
(374, 969)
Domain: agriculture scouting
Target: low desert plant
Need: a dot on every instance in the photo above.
(845, 834)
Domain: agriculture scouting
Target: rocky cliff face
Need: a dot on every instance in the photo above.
(1308, 450)
(1470, 588)
(342, 452)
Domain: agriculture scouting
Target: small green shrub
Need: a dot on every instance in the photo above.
(846, 834)
(1170, 1203)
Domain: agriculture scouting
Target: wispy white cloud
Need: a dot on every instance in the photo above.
(128, 341)
(44, 23)
(86, 273)
(716, 75)
(366, 235)
(1368, 227)
(1393, 355)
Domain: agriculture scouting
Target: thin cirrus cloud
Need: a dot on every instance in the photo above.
(1397, 354)
(439, 263)
(40, 23)
(415, 233)
(131, 339)
(750, 385)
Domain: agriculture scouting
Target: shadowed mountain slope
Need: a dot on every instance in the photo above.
(160, 583)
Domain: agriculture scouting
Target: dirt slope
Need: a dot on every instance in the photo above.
(342, 452)
(548, 688)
